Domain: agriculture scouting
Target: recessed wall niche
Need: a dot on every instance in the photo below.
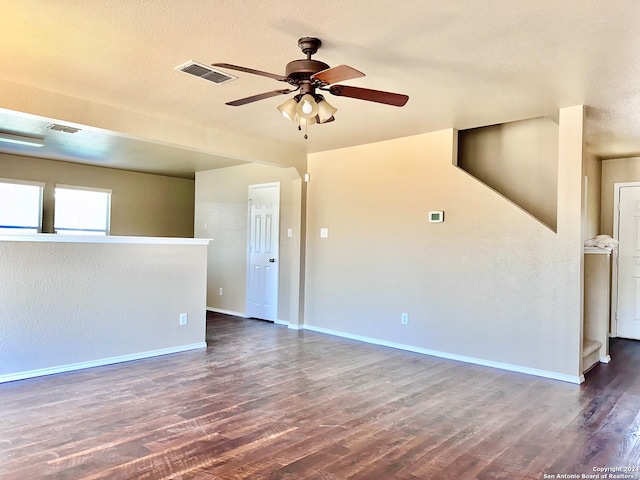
(519, 160)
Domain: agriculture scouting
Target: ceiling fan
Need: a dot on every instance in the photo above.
(307, 76)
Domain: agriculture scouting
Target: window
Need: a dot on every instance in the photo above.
(82, 210)
(20, 206)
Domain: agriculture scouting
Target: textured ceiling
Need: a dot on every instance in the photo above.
(463, 63)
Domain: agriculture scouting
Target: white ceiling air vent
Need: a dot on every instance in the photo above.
(207, 73)
(63, 128)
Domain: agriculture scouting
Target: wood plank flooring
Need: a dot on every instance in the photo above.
(266, 402)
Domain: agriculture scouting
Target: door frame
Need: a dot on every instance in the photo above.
(248, 247)
(614, 261)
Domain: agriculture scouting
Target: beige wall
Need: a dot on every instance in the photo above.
(489, 283)
(71, 303)
(617, 170)
(593, 171)
(222, 214)
(517, 159)
(141, 204)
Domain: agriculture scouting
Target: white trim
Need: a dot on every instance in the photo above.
(83, 188)
(77, 188)
(242, 315)
(227, 312)
(40, 186)
(247, 302)
(451, 356)
(605, 359)
(614, 263)
(22, 182)
(10, 377)
(294, 326)
(598, 250)
(613, 314)
(52, 237)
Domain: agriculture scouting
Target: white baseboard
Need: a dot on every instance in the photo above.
(450, 356)
(243, 315)
(605, 359)
(10, 377)
(287, 324)
(227, 312)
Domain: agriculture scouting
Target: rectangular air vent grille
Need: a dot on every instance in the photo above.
(63, 128)
(206, 73)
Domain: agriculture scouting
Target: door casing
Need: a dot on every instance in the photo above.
(270, 313)
(617, 187)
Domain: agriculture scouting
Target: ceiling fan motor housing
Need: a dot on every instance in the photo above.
(300, 70)
(303, 69)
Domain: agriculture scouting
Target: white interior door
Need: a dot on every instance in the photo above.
(629, 263)
(264, 220)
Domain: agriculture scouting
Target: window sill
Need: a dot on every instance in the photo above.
(50, 237)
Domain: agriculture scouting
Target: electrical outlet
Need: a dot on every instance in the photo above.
(220, 291)
(404, 318)
(183, 319)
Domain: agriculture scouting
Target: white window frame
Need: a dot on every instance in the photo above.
(40, 201)
(65, 231)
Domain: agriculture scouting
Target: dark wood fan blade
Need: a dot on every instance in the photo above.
(260, 96)
(275, 76)
(337, 74)
(330, 119)
(388, 98)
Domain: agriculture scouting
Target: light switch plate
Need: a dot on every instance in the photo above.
(324, 233)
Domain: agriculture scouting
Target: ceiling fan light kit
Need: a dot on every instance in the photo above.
(308, 75)
(325, 110)
(307, 107)
(288, 109)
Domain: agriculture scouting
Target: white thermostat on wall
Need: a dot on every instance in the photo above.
(436, 217)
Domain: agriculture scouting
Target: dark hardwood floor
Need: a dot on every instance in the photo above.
(266, 402)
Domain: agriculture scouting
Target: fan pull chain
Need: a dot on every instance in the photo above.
(305, 130)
